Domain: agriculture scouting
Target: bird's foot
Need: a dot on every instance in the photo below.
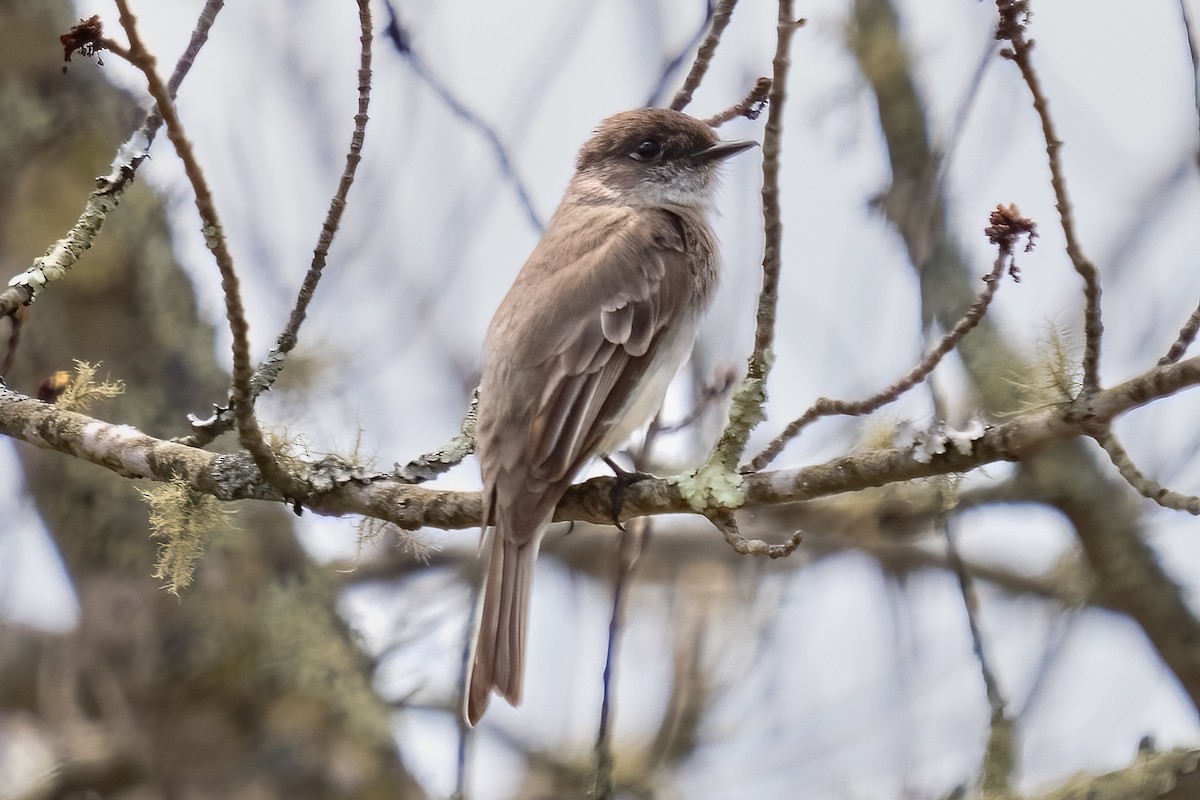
(624, 479)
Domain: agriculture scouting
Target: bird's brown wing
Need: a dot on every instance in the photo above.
(588, 357)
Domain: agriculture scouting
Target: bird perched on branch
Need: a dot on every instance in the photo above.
(582, 349)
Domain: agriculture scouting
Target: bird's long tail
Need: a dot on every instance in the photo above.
(499, 658)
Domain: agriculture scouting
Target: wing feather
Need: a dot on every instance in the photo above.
(548, 400)
(617, 324)
(580, 391)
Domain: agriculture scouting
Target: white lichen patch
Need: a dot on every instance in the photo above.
(783, 482)
(135, 147)
(121, 443)
(939, 438)
(711, 486)
(746, 408)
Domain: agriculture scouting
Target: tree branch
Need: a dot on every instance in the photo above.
(1187, 335)
(205, 431)
(999, 758)
(746, 407)
(1145, 486)
(720, 19)
(1013, 16)
(750, 106)
(249, 433)
(110, 188)
(1011, 224)
(343, 488)
(399, 37)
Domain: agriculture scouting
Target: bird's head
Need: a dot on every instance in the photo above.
(655, 157)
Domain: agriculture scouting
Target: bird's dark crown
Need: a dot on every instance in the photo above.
(646, 134)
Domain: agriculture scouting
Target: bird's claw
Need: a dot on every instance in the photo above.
(623, 480)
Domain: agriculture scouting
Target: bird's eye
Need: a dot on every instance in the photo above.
(647, 150)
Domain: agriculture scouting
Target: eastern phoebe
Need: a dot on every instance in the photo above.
(583, 346)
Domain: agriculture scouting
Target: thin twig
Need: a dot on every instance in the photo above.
(431, 465)
(746, 408)
(629, 551)
(827, 407)
(110, 189)
(1195, 56)
(720, 19)
(223, 418)
(249, 433)
(464, 732)
(962, 112)
(750, 107)
(677, 61)
(724, 521)
(400, 38)
(632, 544)
(16, 321)
(208, 15)
(1000, 752)
(1165, 497)
(337, 205)
(1187, 335)
(1013, 16)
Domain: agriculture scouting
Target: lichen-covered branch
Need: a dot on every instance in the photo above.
(746, 408)
(342, 488)
(110, 189)
(249, 433)
(1170, 775)
(429, 466)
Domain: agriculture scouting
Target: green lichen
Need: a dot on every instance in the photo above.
(184, 522)
(712, 486)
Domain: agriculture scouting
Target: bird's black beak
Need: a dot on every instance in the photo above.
(723, 150)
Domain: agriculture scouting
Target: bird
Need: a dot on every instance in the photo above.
(583, 346)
